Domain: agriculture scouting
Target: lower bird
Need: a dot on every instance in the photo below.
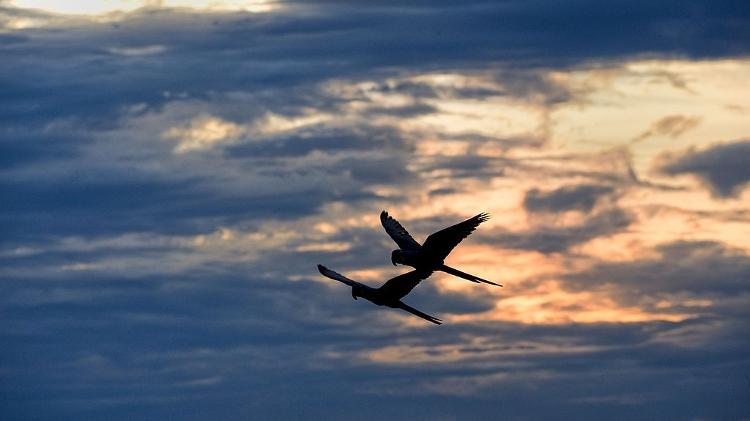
(430, 256)
(389, 294)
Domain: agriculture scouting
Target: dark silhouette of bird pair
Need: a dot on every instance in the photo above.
(424, 258)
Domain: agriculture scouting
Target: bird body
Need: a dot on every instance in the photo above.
(414, 258)
(431, 256)
(389, 294)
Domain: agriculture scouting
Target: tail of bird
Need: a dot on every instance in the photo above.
(469, 277)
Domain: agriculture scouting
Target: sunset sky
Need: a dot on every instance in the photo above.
(173, 171)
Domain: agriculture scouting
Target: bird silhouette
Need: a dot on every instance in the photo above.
(430, 256)
(389, 294)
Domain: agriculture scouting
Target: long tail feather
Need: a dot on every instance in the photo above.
(418, 313)
(467, 276)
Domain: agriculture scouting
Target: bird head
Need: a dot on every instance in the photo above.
(396, 257)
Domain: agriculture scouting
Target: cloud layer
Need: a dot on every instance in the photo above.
(721, 167)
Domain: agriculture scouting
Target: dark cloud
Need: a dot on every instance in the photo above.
(378, 171)
(322, 138)
(129, 205)
(702, 268)
(11, 38)
(94, 201)
(505, 143)
(673, 126)
(225, 340)
(581, 198)
(321, 42)
(239, 344)
(22, 147)
(442, 191)
(555, 238)
(722, 167)
(427, 298)
(535, 86)
(469, 165)
(417, 90)
(403, 111)
(184, 336)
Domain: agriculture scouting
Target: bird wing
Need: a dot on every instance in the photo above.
(339, 277)
(401, 285)
(438, 245)
(399, 234)
(418, 313)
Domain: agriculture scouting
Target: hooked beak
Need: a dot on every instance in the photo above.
(353, 294)
(393, 260)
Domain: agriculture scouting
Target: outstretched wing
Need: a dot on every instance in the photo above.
(440, 244)
(418, 313)
(401, 285)
(399, 234)
(339, 277)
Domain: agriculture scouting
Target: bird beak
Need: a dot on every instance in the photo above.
(354, 295)
(393, 261)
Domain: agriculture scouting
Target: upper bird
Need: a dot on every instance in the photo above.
(389, 294)
(430, 256)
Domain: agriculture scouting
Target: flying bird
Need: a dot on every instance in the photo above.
(430, 256)
(389, 294)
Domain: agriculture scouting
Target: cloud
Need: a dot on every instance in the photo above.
(427, 296)
(442, 191)
(672, 126)
(332, 139)
(40, 145)
(139, 51)
(721, 167)
(559, 238)
(203, 132)
(120, 6)
(581, 198)
(704, 268)
(112, 202)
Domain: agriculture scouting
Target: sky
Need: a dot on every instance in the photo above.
(171, 173)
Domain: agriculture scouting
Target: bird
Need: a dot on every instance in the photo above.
(389, 294)
(430, 256)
